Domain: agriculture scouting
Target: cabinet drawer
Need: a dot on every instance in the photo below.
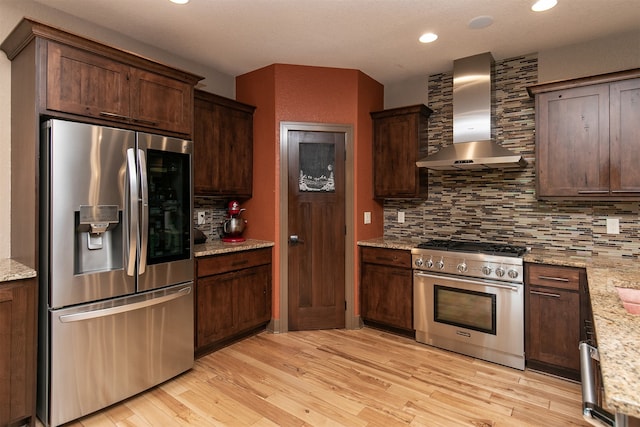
(217, 264)
(392, 257)
(553, 276)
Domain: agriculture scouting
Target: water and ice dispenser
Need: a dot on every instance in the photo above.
(98, 243)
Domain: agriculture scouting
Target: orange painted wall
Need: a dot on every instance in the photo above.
(296, 93)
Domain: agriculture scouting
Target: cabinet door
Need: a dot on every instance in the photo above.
(235, 150)
(17, 351)
(161, 102)
(223, 146)
(573, 142)
(387, 295)
(554, 327)
(204, 148)
(395, 151)
(216, 308)
(624, 138)
(254, 297)
(82, 83)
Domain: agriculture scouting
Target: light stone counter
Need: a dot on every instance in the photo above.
(617, 332)
(13, 270)
(388, 244)
(217, 247)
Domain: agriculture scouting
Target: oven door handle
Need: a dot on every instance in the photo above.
(515, 288)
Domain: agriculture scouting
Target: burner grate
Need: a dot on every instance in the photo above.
(488, 248)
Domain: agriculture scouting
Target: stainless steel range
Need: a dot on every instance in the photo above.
(469, 298)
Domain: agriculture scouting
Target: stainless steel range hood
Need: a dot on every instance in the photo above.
(473, 147)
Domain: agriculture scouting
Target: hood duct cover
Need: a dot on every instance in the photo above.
(472, 146)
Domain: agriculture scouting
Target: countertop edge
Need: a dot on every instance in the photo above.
(218, 247)
(11, 270)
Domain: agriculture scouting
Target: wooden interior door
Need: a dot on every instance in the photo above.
(316, 230)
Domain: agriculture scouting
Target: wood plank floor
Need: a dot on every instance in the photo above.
(347, 378)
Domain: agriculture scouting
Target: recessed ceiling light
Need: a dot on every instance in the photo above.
(480, 22)
(179, 1)
(542, 5)
(428, 38)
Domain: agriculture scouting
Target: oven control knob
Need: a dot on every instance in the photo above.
(440, 264)
(430, 263)
(462, 268)
(499, 271)
(513, 274)
(419, 262)
(486, 270)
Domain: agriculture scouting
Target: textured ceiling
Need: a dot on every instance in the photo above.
(378, 37)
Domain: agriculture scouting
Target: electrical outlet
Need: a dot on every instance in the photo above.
(613, 226)
(200, 217)
(400, 217)
(367, 217)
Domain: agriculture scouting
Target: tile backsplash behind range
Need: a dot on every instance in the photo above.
(500, 205)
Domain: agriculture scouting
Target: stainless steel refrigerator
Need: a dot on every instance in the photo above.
(116, 266)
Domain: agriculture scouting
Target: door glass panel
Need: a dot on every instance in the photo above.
(316, 162)
(169, 206)
(467, 309)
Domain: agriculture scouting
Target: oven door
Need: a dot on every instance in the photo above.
(480, 318)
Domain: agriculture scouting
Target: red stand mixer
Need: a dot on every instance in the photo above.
(233, 226)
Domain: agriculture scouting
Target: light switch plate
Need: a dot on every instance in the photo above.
(200, 217)
(400, 217)
(367, 217)
(613, 226)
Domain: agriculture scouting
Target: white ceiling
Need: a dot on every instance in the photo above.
(378, 37)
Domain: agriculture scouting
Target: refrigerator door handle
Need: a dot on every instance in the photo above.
(132, 241)
(144, 217)
(94, 314)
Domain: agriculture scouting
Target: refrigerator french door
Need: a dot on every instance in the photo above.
(116, 266)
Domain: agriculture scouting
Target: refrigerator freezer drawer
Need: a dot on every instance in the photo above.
(104, 352)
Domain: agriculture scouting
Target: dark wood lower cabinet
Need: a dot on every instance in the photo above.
(18, 330)
(233, 297)
(386, 287)
(554, 318)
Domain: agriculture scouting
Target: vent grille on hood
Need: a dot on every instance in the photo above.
(473, 147)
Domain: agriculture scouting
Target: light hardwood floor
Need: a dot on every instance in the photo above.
(347, 378)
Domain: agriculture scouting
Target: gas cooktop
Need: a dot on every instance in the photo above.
(488, 248)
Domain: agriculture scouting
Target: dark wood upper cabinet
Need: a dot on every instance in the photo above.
(223, 146)
(79, 78)
(399, 140)
(587, 134)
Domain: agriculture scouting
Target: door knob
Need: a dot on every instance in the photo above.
(294, 239)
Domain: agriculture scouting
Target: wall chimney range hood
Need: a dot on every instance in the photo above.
(473, 147)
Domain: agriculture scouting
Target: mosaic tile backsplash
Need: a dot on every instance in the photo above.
(215, 214)
(500, 205)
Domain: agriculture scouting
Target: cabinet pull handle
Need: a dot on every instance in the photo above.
(555, 279)
(382, 258)
(146, 122)
(113, 115)
(593, 191)
(240, 262)
(626, 191)
(545, 294)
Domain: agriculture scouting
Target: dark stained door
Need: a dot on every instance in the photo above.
(316, 230)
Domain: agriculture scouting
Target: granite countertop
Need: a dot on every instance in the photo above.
(617, 332)
(13, 270)
(217, 247)
(388, 243)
